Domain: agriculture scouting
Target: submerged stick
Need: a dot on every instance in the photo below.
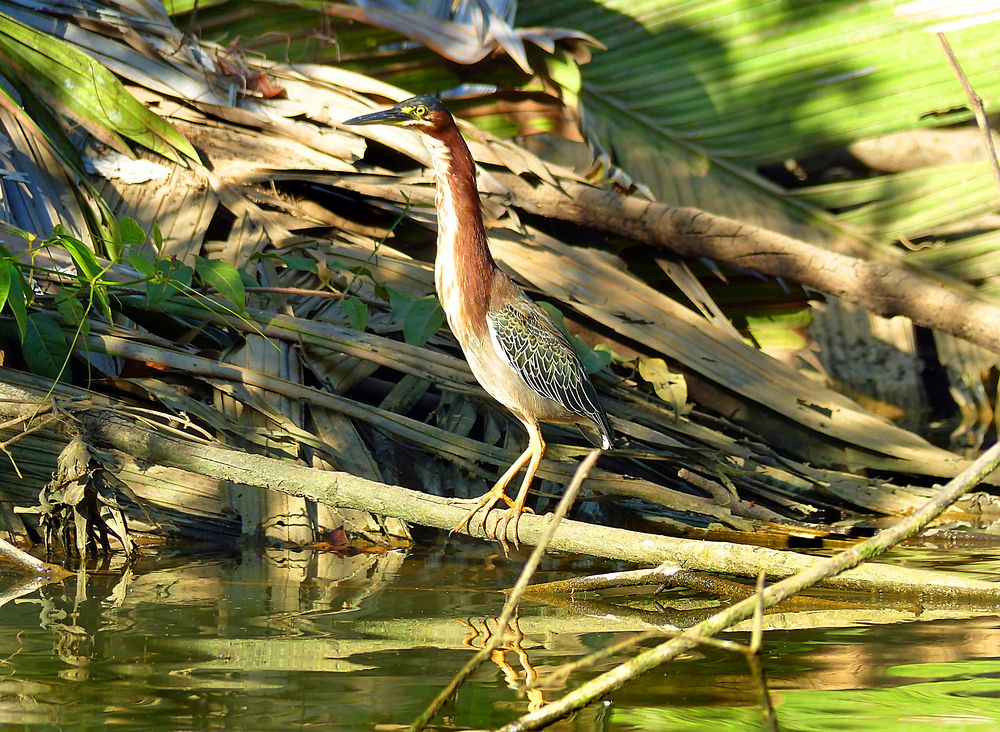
(514, 598)
(821, 569)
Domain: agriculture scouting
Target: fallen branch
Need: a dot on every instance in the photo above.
(881, 288)
(29, 562)
(348, 491)
(822, 569)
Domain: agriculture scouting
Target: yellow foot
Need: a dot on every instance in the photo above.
(499, 531)
(484, 503)
(508, 521)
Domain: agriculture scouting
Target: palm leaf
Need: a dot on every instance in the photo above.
(692, 97)
(78, 85)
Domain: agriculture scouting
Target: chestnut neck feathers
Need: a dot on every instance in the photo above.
(463, 268)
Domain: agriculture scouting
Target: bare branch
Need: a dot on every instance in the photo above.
(884, 288)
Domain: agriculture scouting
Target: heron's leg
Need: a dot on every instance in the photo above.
(497, 493)
(536, 448)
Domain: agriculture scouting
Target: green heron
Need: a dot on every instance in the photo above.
(518, 355)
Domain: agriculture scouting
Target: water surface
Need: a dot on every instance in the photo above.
(283, 640)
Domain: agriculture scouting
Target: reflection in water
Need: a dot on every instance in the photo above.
(280, 639)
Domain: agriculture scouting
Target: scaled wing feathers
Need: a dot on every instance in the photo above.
(533, 345)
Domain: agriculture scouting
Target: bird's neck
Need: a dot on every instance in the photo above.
(463, 268)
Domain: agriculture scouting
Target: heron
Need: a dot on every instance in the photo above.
(516, 352)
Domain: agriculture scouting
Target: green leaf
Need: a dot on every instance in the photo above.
(47, 125)
(71, 309)
(169, 277)
(158, 286)
(565, 71)
(16, 295)
(142, 264)
(595, 359)
(299, 264)
(69, 77)
(179, 274)
(247, 280)
(423, 319)
(45, 348)
(87, 267)
(780, 328)
(356, 311)
(670, 387)
(131, 232)
(128, 234)
(692, 98)
(4, 283)
(400, 303)
(225, 278)
(613, 356)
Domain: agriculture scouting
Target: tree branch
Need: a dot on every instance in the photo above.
(879, 287)
(348, 491)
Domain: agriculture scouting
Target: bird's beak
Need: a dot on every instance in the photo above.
(392, 116)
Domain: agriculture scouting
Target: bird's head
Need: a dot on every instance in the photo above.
(424, 113)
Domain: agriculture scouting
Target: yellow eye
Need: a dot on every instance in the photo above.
(419, 111)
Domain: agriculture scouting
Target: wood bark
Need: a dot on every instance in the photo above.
(883, 288)
(339, 489)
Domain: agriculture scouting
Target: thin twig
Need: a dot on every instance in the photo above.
(976, 102)
(760, 683)
(822, 569)
(754, 662)
(5, 445)
(757, 632)
(561, 673)
(14, 421)
(514, 598)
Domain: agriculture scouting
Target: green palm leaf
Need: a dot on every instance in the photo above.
(692, 97)
(75, 83)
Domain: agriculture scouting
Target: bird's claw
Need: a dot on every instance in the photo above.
(508, 520)
(485, 504)
(499, 531)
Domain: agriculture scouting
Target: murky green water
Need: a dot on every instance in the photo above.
(290, 640)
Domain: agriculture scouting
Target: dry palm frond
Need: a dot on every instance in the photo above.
(319, 217)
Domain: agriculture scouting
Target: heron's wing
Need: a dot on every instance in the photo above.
(536, 349)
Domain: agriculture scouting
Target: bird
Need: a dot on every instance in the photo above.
(516, 352)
